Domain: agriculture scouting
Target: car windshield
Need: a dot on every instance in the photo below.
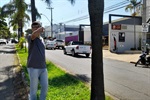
(59, 41)
(77, 43)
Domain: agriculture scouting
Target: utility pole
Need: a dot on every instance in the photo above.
(51, 21)
(144, 21)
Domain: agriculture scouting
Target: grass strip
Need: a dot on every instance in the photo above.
(62, 86)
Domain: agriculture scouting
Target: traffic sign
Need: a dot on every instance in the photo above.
(145, 27)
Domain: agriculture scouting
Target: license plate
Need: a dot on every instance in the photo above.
(84, 51)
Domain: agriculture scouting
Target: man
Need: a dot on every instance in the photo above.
(36, 63)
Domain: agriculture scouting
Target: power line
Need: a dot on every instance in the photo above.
(118, 4)
(106, 10)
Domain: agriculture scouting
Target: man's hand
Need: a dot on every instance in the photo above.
(37, 32)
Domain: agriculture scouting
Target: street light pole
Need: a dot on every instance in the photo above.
(51, 21)
(47, 19)
(144, 37)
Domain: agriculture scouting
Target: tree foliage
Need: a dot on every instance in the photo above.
(4, 30)
(133, 7)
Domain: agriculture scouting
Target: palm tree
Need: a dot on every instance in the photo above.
(96, 8)
(132, 7)
(34, 12)
(16, 11)
(4, 30)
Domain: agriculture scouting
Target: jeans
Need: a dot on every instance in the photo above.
(38, 75)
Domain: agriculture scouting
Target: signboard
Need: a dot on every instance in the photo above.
(116, 27)
(145, 27)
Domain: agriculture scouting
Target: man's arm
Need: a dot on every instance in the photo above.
(36, 33)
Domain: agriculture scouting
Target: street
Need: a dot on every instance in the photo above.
(122, 80)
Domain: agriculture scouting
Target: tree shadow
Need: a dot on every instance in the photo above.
(63, 80)
(12, 87)
(7, 52)
(142, 66)
(83, 78)
(79, 56)
(6, 91)
(9, 47)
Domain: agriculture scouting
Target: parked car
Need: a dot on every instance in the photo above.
(50, 44)
(13, 41)
(59, 43)
(3, 41)
(76, 47)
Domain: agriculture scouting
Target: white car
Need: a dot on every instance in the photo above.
(76, 47)
(59, 43)
(50, 45)
(3, 41)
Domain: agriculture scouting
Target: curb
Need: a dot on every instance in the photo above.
(20, 82)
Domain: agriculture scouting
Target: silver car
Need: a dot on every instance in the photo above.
(50, 45)
(3, 41)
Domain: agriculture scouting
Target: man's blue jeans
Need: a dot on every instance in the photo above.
(38, 75)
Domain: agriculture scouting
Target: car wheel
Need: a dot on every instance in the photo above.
(87, 55)
(73, 53)
(65, 51)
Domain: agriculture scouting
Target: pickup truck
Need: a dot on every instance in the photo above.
(76, 47)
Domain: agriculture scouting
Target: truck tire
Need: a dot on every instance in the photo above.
(73, 53)
(87, 55)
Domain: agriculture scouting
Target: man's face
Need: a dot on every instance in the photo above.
(35, 27)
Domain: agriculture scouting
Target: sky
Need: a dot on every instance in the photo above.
(63, 11)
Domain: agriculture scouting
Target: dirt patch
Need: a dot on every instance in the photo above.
(21, 89)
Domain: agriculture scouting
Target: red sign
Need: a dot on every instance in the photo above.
(116, 27)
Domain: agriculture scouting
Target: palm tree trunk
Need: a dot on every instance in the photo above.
(96, 8)
(33, 14)
(20, 31)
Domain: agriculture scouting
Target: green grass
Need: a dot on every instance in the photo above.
(62, 86)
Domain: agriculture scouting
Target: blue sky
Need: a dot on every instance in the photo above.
(64, 11)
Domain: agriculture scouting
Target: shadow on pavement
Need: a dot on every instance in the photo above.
(7, 51)
(12, 86)
(79, 56)
(83, 78)
(9, 47)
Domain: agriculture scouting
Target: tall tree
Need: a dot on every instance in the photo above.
(16, 10)
(34, 12)
(4, 30)
(132, 7)
(96, 9)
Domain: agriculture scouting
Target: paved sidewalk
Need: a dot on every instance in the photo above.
(11, 84)
(6, 73)
(130, 56)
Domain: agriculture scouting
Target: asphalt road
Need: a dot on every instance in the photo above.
(122, 79)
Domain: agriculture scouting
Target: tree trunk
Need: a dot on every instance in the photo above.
(96, 9)
(20, 31)
(33, 13)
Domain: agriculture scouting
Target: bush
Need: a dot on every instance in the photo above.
(21, 41)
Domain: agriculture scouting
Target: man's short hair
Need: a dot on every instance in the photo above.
(36, 23)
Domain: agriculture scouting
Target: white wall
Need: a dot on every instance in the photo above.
(62, 35)
(129, 37)
(87, 34)
(47, 31)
